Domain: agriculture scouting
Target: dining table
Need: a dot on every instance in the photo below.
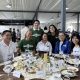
(5, 76)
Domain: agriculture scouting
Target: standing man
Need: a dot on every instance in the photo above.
(36, 31)
(14, 35)
(18, 35)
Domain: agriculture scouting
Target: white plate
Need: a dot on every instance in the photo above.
(74, 69)
(73, 61)
(68, 73)
(18, 58)
(60, 56)
(8, 68)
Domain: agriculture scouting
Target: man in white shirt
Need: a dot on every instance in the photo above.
(7, 47)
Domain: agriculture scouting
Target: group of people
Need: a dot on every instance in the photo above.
(37, 41)
(16, 35)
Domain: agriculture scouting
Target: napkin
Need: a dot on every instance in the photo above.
(16, 74)
(41, 74)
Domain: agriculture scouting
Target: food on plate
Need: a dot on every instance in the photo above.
(72, 68)
(68, 73)
(73, 61)
(19, 65)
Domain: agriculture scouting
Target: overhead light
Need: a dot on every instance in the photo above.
(9, 6)
(52, 19)
(67, 8)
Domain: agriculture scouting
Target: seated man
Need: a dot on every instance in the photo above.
(63, 45)
(7, 47)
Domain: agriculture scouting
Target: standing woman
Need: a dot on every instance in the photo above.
(76, 44)
(52, 36)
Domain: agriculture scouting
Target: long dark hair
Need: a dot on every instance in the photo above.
(76, 34)
(56, 30)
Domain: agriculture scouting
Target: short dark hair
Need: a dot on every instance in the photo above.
(63, 32)
(4, 32)
(43, 34)
(36, 21)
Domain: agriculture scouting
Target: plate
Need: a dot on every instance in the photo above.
(8, 68)
(31, 71)
(37, 79)
(72, 68)
(68, 73)
(62, 56)
(73, 61)
(55, 78)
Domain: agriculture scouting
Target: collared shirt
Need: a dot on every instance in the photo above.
(76, 51)
(47, 47)
(36, 29)
(36, 34)
(60, 51)
(6, 52)
(60, 46)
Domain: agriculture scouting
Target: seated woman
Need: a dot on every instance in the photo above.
(44, 45)
(63, 45)
(26, 44)
(7, 47)
(76, 44)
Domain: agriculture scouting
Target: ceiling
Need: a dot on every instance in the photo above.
(35, 5)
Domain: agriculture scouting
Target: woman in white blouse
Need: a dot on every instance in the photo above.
(76, 44)
(44, 45)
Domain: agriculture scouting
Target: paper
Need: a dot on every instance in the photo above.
(16, 74)
(40, 74)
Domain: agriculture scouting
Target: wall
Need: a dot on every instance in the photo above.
(2, 28)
